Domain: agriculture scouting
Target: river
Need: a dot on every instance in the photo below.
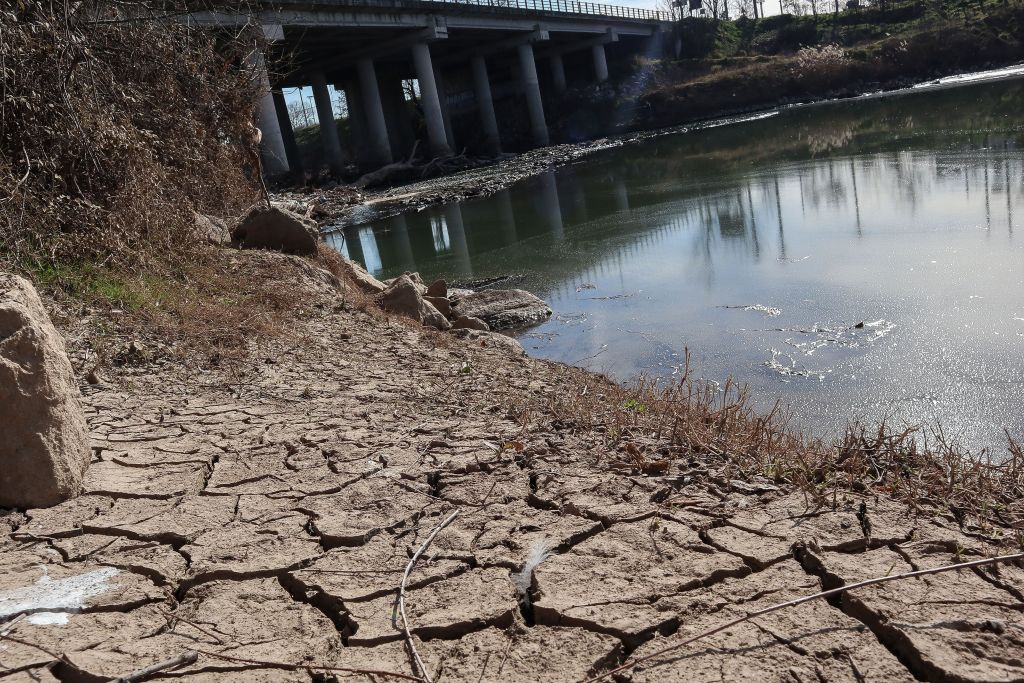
(856, 259)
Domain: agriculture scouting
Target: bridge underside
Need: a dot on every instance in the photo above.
(479, 65)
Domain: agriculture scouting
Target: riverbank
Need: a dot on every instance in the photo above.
(263, 516)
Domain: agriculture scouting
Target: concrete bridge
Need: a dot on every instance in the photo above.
(464, 55)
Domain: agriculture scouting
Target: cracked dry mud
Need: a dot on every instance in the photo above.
(270, 518)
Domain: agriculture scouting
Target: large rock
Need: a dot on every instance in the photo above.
(44, 439)
(503, 309)
(212, 230)
(362, 279)
(277, 229)
(404, 298)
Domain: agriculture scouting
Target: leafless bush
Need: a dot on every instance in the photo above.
(114, 126)
(820, 64)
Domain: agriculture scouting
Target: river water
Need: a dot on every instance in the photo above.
(854, 259)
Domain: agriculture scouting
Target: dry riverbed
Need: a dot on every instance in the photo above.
(264, 517)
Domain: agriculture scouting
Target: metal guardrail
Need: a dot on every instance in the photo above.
(570, 7)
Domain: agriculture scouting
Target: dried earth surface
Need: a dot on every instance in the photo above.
(264, 518)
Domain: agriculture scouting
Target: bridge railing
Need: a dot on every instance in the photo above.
(577, 7)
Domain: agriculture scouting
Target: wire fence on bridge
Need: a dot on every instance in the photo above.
(540, 7)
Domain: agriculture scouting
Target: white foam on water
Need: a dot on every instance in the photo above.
(49, 601)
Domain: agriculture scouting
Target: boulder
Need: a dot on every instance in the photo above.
(44, 438)
(212, 230)
(278, 229)
(362, 279)
(493, 340)
(464, 322)
(403, 298)
(438, 288)
(441, 303)
(503, 309)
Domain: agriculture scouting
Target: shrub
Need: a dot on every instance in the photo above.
(820, 65)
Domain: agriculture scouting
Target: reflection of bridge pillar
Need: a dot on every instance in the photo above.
(485, 103)
(506, 217)
(534, 103)
(550, 206)
(272, 151)
(400, 229)
(430, 101)
(291, 148)
(600, 63)
(376, 126)
(328, 128)
(353, 246)
(457, 235)
(620, 194)
(558, 73)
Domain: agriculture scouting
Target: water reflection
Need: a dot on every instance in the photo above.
(896, 213)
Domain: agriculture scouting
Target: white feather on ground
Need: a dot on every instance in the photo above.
(523, 580)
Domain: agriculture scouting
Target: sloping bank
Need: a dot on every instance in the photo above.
(264, 517)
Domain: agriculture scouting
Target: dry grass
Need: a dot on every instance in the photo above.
(649, 425)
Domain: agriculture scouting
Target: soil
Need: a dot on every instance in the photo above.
(264, 517)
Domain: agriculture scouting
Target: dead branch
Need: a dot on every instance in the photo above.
(418, 663)
(184, 659)
(307, 667)
(800, 601)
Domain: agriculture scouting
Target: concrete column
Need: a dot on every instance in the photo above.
(397, 115)
(485, 104)
(272, 151)
(357, 123)
(376, 126)
(442, 97)
(437, 137)
(291, 148)
(558, 73)
(600, 63)
(328, 128)
(531, 87)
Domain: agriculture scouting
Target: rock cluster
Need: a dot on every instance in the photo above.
(44, 440)
(278, 229)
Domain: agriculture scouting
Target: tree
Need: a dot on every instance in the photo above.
(300, 113)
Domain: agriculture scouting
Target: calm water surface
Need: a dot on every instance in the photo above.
(856, 259)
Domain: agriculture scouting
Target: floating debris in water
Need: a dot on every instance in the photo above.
(613, 296)
(792, 369)
(783, 259)
(586, 285)
(770, 311)
(847, 337)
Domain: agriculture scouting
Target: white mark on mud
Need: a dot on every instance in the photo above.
(49, 601)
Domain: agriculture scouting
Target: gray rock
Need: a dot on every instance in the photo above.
(212, 230)
(438, 288)
(44, 439)
(277, 229)
(403, 298)
(464, 322)
(492, 340)
(503, 309)
(362, 279)
(440, 303)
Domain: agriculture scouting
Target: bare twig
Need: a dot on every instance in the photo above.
(401, 594)
(800, 601)
(307, 667)
(184, 659)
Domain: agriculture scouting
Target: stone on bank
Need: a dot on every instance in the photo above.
(44, 437)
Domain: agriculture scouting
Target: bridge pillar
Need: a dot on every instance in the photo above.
(272, 152)
(600, 63)
(396, 113)
(357, 122)
(531, 87)
(558, 73)
(376, 126)
(291, 148)
(328, 128)
(442, 97)
(436, 134)
(485, 103)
